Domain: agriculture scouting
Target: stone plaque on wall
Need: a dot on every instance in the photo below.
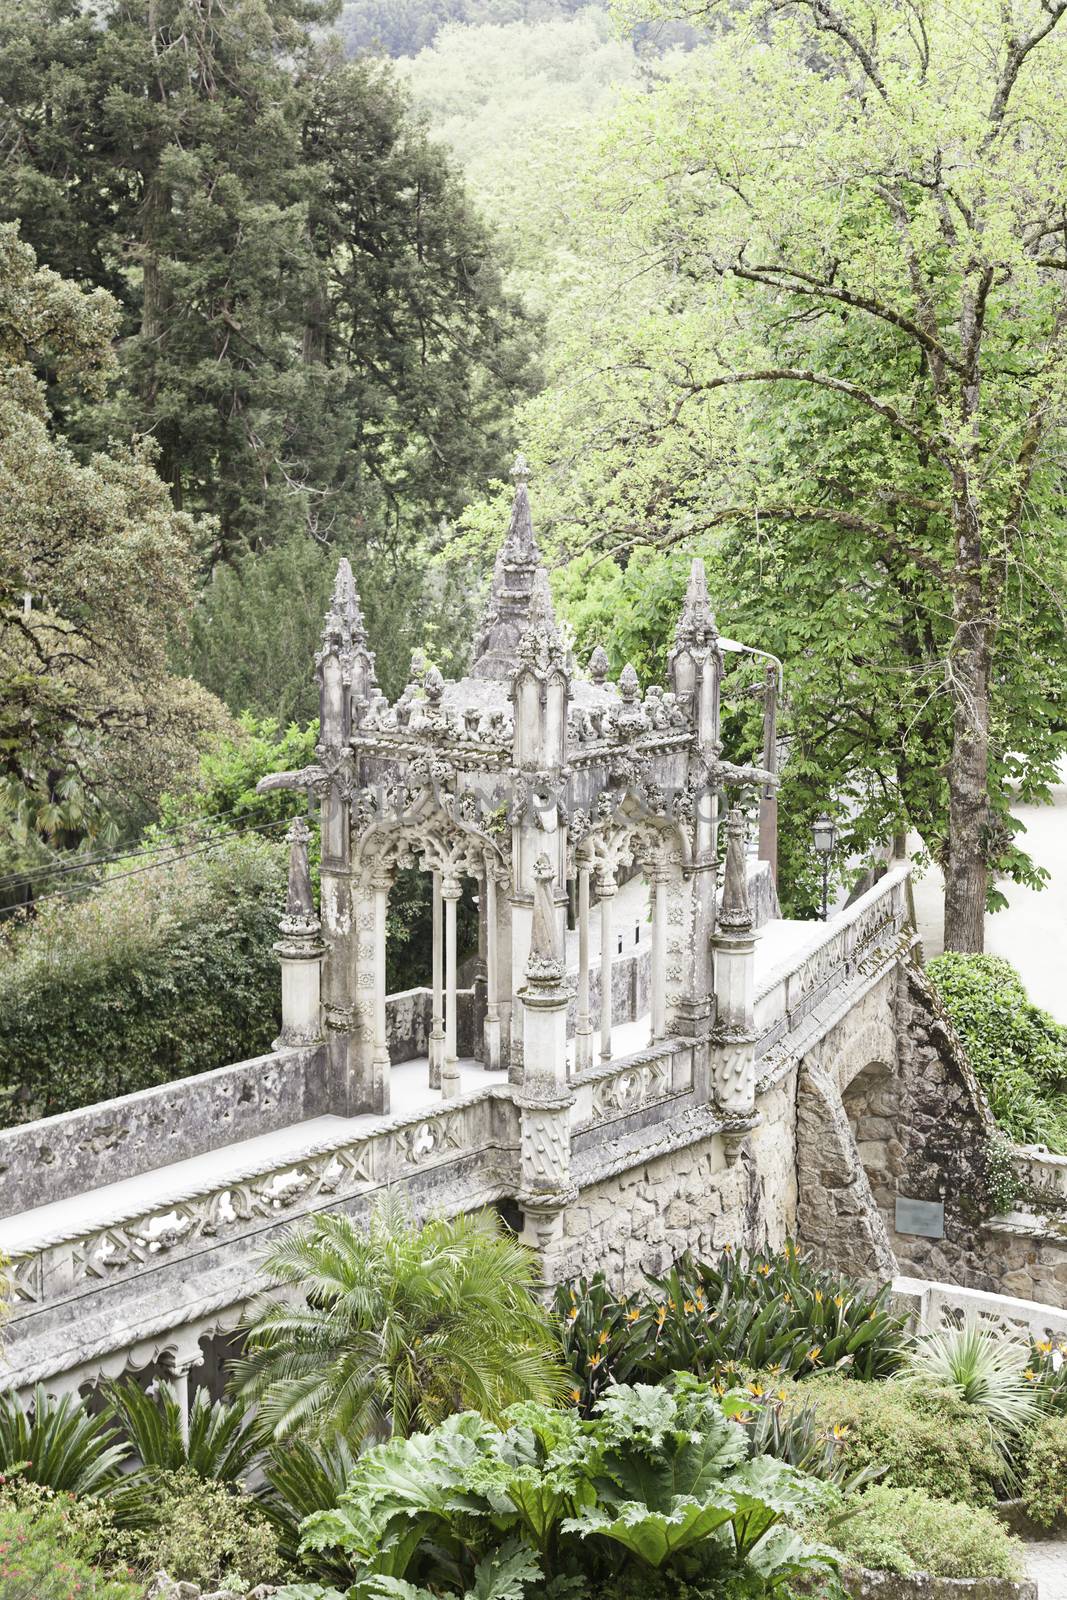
(925, 1217)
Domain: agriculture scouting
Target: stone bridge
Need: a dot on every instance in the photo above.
(134, 1227)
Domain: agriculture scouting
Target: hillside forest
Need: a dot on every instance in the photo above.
(779, 283)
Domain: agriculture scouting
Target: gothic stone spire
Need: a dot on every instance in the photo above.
(515, 592)
(696, 625)
(344, 619)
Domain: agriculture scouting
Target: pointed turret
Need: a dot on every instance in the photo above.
(694, 664)
(515, 582)
(344, 665)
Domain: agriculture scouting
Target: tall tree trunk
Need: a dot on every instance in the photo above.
(967, 869)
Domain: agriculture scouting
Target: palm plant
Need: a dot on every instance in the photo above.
(220, 1443)
(986, 1372)
(401, 1325)
(57, 1443)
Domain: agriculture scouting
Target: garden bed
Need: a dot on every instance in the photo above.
(865, 1585)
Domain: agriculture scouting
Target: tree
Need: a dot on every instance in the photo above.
(95, 571)
(402, 1326)
(842, 359)
(314, 328)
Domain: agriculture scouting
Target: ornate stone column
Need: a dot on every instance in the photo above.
(768, 805)
(606, 889)
(492, 975)
(659, 874)
(451, 890)
(583, 1032)
(544, 1100)
(734, 1038)
(436, 1046)
(300, 950)
(380, 1058)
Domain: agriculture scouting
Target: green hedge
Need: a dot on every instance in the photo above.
(154, 976)
(1018, 1051)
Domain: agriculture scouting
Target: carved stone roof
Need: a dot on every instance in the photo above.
(518, 593)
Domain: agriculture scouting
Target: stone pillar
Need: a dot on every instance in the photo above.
(734, 1037)
(436, 1045)
(451, 890)
(492, 975)
(606, 890)
(583, 1032)
(658, 876)
(380, 1057)
(544, 1099)
(300, 950)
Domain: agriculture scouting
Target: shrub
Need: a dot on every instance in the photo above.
(1018, 1051)
(987, 1372)
(151, 978)
(656, 1481)
(1044, 1488)
(925, 1438)
(907, 1531)
(42, 1557)
(773, 1311)
(203, 1533)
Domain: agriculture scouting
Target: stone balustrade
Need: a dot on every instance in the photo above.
(839, 951)
(650, 1078)
(934, 1307)
(1043, 1175)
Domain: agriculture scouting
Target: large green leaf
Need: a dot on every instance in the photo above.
(656, 1536)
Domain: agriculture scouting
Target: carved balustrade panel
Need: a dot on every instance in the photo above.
(646, 1079)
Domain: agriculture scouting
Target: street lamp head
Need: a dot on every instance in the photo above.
(824, 833)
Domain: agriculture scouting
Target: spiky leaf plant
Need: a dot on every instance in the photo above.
(58, 1444)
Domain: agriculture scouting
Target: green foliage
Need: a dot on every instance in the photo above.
(907, 1531)
(304, 1478)
(402, 1325)
(45, 1554)
(95, 574)
(200, 1532)
(57, 1444)
(1044, 1485)
(258, 624)
(220, 1443)
(222, 790)
(153, 977)
(923, 1437)
(747, 373)
(1018, 1051)
(987, 1372)
(654, 1476)
(315, 330)
(768, 1310)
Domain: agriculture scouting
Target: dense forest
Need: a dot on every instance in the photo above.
(282, 280)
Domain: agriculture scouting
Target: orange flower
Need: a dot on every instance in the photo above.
(632, 1315)
(603, 1339)
(661, 1315)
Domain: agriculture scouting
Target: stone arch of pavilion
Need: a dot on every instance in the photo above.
(526, 774)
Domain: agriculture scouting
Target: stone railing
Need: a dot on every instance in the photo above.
(1043, 1177)
(56, 1157)
(933, 1307)
(108, 1249)
(852, 941)
(649, 1078)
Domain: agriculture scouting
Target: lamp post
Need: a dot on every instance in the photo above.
(824, 834)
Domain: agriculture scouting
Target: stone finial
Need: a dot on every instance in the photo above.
(696, 625)
(545, 958)
(629, 687)
(736, 913)
(344, 618)
(434, 685)
(300, 914)
(599, 664)
(511, 592)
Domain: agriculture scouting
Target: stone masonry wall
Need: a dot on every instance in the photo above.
(941, 1128)
(694, 1198)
